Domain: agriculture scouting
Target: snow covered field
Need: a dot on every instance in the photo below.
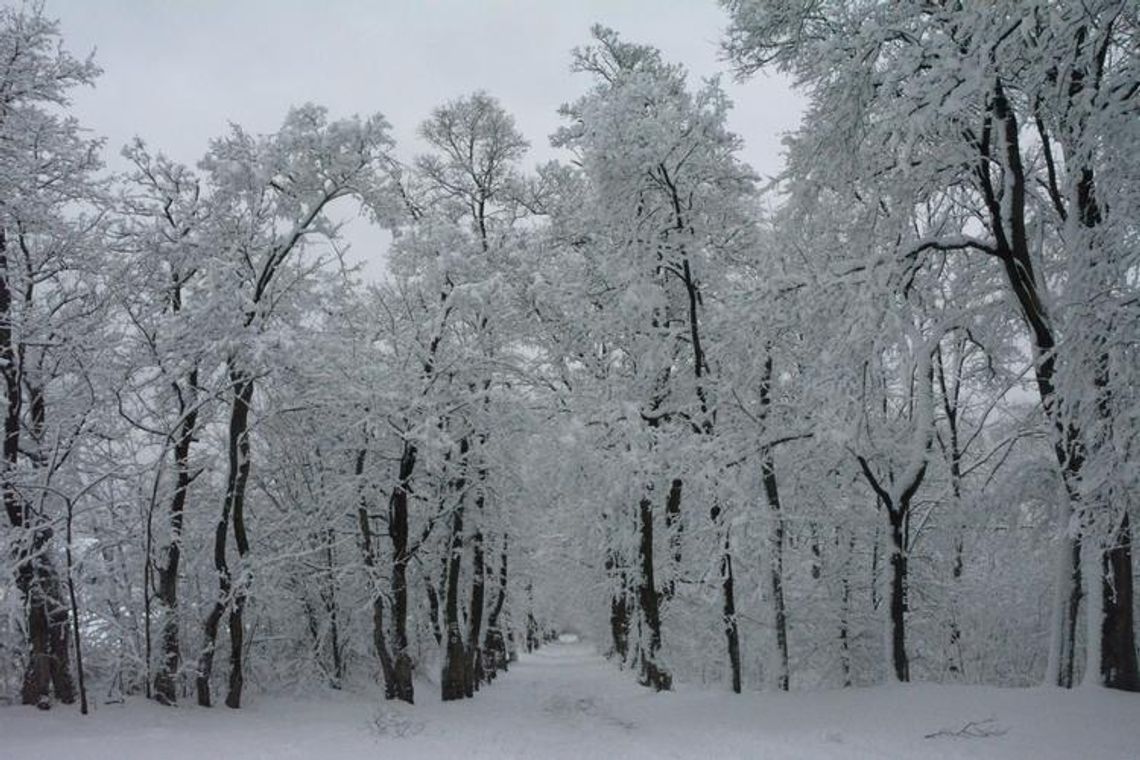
(566, 702)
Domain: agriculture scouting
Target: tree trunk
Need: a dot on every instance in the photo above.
(495, 644)
(619, 611)
(1118, 667)
(235, 497)
(673, 531)
(776, 571)
(328, 597)
(731, 632)
(402, 688)
(213, 620)
(453, 681)
(75, 612)
(649, 599)
(475, 611)
(433, 609)
(233, 505)
(165, 680)
(845, 613)
(776, 540)
(898, 603)
(897, 506)
(48, 668)
(368, 547)
(1064, 644)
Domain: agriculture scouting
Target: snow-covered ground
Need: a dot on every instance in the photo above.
(566, 702)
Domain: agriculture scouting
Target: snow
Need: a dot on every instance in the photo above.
(566, 702)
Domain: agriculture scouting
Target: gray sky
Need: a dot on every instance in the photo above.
(177, 71)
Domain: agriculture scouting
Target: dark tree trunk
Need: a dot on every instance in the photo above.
(732, 635)
(898, 603)
(75, 630)
(475, 612)
(433, 609)
(845, 614)
(213, 621)
(403, 688)
(1118, 667)
(951, 394)
(649, 599)
(619, 609)
(453, 681)
(728, 601)
(619, 626)
(229, 597)
(235, 497)
(776, 541)
(898, 516)
(776, 570)
(495, 644)
(380, 644)
(368, 546)
(673, 530)
(165, 680)
(1068, 664)
(328, 597)
(49, 668)
(237, 644)
(533, 633)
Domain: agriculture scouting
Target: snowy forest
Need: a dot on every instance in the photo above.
(871, 422)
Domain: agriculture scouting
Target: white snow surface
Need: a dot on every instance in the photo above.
(565, 701)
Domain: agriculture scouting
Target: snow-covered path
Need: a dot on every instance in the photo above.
(567, 702)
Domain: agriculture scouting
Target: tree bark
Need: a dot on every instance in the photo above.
(897, 506)
(165, 680)
(235, 495)
(328, 597)
(495, 645)
(898, 603)
(475, 612)
(776, 537)
(230, 597)
(731, 632)
(673, 531)
(368, 546)
(776, 570)
(649, 598)
(433, 608)
(403, 688)
(453, 681)
(1118, 639)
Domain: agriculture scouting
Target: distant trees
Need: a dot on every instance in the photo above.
(662, 210)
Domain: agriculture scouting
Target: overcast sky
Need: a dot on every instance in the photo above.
(176, 71)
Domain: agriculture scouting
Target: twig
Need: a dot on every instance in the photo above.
(974, 729)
